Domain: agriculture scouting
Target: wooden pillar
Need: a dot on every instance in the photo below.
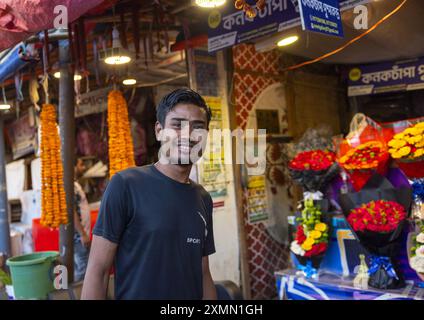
(225, 60)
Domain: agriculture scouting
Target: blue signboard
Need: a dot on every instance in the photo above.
(321, 16)
(229, 26)
(386, 77)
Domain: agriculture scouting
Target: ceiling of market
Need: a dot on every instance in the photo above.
(399, 37)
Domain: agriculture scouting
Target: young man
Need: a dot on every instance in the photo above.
(82, 225)
(155, 222)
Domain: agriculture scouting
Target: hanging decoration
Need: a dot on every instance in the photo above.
(53, 202)
(248, 9)
(121, 148)
(136, 30)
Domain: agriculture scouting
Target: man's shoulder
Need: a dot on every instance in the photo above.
(135, 172)
(136, 176)
(202, 191)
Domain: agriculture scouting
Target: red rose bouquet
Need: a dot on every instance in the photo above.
(313, 169)
(313, 163)
(377, 216)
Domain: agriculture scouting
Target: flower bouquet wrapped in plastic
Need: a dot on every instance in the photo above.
(364, 152)
(311, 240)
(314, 165)
(416, 251)
(377, 216)
(407, 148)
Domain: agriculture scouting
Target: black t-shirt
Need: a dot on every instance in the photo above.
(163, 228)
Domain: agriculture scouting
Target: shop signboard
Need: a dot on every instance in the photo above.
(92, 102)
(22, 135)
(404, 75)
(228, 26)
(321, 16)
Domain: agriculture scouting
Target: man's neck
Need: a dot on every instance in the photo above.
(177, 172)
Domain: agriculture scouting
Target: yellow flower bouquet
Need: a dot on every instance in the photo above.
(407, 149)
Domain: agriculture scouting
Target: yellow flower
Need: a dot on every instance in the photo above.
(397, 143)
(411, 131)
(309, 241)
(321, 227)
(419, 125)
(306, 247)
(315, 234)
(415, 139)
(419, 153)
(405, 151)
(396, 155)
(420, 144)
(393, 150)
(399, 136)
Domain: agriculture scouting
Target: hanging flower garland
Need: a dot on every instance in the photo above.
(121, 149)
(53, 202)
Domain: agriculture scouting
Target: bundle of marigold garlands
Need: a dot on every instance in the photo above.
(312, 234)
(407, 148)
(121, 149)
(53, 202)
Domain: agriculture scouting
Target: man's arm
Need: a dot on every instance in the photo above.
(85, 239)
(96, 279)
(209, 290)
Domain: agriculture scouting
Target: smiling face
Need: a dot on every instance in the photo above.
(185, 128)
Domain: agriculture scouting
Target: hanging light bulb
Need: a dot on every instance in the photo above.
(5, 105)
(210, 3)
(129, 81)
(77, 76)
(287, 41)
(117, 55)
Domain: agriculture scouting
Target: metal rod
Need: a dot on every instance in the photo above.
(67, 144)
(155, 84)
(5, 249)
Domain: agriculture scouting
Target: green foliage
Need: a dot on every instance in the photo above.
(5, 278)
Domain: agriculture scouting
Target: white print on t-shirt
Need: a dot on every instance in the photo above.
(193, 240)
(204, 221)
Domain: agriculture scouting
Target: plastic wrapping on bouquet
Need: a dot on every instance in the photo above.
(310, 265)
(413, 169)
(385, 272)
(359, 178)
(312, 180)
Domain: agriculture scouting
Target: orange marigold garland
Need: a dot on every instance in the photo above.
(53, 202)
(121, 149)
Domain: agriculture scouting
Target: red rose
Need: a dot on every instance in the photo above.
(316, 250)
(300, 235)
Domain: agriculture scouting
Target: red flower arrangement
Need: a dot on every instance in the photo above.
(363, 161)
(377, 216)
(315, 160)
(317, 249)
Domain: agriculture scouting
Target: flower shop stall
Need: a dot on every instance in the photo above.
(358, 232)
